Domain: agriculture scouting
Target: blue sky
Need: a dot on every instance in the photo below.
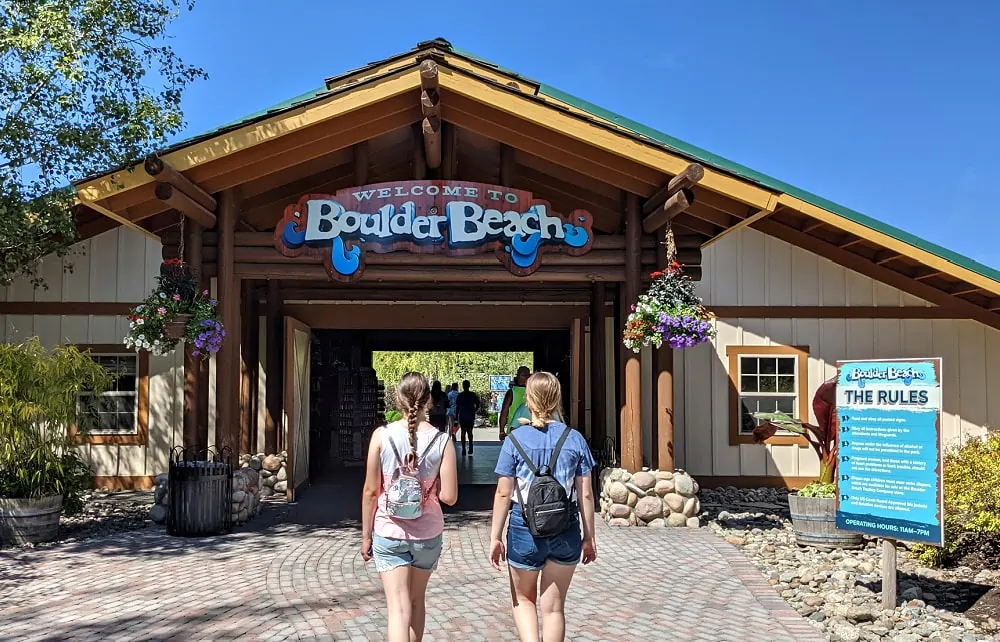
(888, 107)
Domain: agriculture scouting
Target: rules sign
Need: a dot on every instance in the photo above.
(890, 459)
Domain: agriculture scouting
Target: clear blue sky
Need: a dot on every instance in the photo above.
(889, 107)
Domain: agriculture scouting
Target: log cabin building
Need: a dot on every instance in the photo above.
(323, 224)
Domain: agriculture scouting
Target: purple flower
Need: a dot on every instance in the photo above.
(211, 302)
(177, 297)
(161, 310)
(195, 353)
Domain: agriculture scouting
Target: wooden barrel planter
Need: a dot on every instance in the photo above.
(30, 521)
(814, 520)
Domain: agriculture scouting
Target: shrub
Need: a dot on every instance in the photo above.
(393, 415)
(494, 418)
(971, 500)
(819, 489)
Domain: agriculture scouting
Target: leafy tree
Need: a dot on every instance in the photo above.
(85, 86)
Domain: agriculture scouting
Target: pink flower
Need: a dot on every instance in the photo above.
(161, 310)
(204, 292)
(177, 297)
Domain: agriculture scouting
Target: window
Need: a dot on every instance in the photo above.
(767, 379)
(121, 414)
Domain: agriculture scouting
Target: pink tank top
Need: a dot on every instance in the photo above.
(430, 524)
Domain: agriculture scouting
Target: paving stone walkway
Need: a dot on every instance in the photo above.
(296, 581)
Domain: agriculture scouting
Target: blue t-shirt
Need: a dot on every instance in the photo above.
(575, 459)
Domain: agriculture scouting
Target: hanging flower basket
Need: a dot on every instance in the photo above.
(668, 312)
(176, 311)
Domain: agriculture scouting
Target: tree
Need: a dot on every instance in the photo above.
(85, 86)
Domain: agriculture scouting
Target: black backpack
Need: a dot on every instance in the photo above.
(548, 511)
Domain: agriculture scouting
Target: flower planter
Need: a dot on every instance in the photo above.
(814, 520)
(176, 328)
(30, 521)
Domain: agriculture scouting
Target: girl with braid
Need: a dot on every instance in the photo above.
(411, 469)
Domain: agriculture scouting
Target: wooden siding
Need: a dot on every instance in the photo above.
(117, 266)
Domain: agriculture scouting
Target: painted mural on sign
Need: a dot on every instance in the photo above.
(889, 414)
(448, 217)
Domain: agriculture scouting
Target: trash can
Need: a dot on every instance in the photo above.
(201, 492)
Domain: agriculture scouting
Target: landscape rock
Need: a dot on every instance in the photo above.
(618, 493)
(271, 463)
(664, 486)
(282, 474)
(619, 511)
(683, 484)
(676, 520)
(644, 480)
(280, 487)
(649, 508)
(158, 513)
(674, 502)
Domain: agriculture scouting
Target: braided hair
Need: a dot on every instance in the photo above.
(413, 395)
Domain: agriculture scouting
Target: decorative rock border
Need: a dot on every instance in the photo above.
(655, 498)
(258, 476)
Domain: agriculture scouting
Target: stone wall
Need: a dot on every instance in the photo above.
(655, 498)
(273, 472)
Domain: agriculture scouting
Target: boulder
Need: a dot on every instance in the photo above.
(693, 522)
(158, 513)
(635, 489)
(664, 474)
(255, 462)
(683, 484)
(266, 491)
(692, 507)
(633, 499)
(664, 486)
(239, 497)
(282, 473)
(644, 480)
(658, 523)
(162, 478)
(269, 482)
(649, 508)
(676, 520)
(239, 482)
(617, 492)
(618, 522)
(619, 511)
(280, 487)
(271, 463)
(675, 502)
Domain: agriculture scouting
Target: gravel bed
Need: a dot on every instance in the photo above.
(839, 591)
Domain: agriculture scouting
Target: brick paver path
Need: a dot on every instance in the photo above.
(299, 582)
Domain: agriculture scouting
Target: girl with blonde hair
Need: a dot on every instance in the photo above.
(544, 470)
(411, 469)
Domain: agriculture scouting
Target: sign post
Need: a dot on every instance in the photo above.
(891, 460)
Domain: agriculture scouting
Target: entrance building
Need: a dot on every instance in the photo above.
(435, 199)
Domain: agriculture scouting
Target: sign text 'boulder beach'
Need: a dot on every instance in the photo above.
(448, 217)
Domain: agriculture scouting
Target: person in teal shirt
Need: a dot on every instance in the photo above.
(512, 401)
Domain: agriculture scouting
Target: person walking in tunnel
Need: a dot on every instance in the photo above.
(466, 406)
(438, 413)
(512, 400)
(543, 465)
(411, 470)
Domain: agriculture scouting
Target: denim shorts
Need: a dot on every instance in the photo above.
(528, 553)
(422, 554)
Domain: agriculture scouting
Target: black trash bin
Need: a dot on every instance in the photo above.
(201, 492)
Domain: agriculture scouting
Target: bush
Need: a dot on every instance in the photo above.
(393, 415)
(494, 418)
(971, 501)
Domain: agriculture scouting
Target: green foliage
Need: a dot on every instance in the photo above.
(448, 368)
(40, 397)
(819, 489)
(494, 419)
(393, 415)
(822, 437)
(85, 85)
(971, 499)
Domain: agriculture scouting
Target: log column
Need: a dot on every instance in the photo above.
(195, 433)
(248, 369)
(273, 330)
(227, 379)
(598, 367)
(663, 391)
(631, 420)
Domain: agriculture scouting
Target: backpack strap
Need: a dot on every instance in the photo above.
(524, 455)
(558, 449)
(395, 451)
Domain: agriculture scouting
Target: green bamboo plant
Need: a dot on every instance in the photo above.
(39, 398)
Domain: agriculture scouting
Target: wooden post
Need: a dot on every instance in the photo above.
(598, 367)
(247, 340)
(619, 365)
(419, 162)
(361, 162)
(663, 392)
(631, 446)
(508, 164)
(888, 574)
(227, 366)
(192, 363)
(273, 330)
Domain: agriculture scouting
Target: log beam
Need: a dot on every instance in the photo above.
(164, 173)
(419, 159)
(184, 204)
(886, 256)
(361, 162)
(449, 151)
(227, 370)
(273, 331)
(687, 179)
(994, 305)
(812, 227)
(598, 365)
(430, 107)
(674, 205)
(631, 415)
(508, 165)
(963, 289)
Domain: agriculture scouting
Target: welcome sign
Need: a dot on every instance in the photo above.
(890, 460)
(451, 217)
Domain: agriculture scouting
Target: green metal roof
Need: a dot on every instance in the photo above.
(648, 133)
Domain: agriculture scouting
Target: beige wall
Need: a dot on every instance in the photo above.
(750, 269)
(117, 266)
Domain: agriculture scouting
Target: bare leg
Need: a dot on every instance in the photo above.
(555, 584)
(397, 597)
(524, 596)
(418, 596)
